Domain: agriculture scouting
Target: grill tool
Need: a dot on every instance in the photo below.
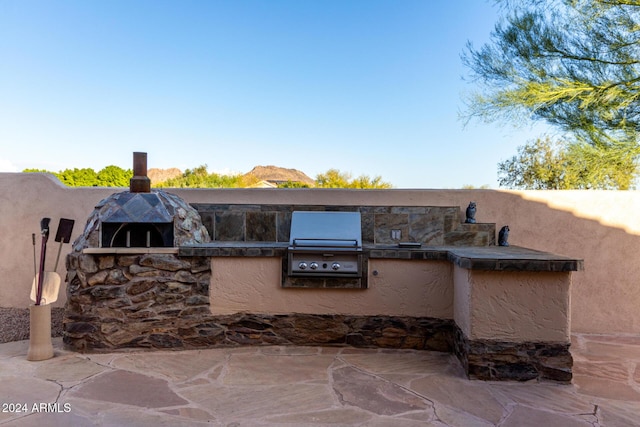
(46, 285)
(44, 230)
(63, 235)
(35, 262)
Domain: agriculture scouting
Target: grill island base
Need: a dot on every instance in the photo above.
(508, 323)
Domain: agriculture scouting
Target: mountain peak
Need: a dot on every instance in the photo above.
(277, 175)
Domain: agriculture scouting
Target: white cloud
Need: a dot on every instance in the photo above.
(7, 166)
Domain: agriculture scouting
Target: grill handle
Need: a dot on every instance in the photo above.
(325, 242)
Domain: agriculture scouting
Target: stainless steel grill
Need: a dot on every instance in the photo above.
(325, 244)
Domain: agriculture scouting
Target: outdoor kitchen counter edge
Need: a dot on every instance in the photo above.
(488, 258)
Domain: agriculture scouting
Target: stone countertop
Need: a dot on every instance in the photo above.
(489, 258)
(232, 249)
(512, 258)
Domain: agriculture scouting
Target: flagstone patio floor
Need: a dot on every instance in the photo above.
(311, 386)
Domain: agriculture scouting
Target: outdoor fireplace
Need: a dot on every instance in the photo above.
(141, 218)
(127, 284)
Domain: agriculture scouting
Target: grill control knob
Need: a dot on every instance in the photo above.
(335, 266)
(314, 265)
(302, 266)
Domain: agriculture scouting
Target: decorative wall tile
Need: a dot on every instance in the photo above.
(385, 223)
(209, 221)
(427, 228)
(283, 225)
(230, 226)
(261, 226)
(429, 225)
(368, 227)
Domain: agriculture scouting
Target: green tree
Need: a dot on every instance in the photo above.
(200, 178)
(573, 64)
(110, 176)
(539, 165)
(555, 165)
(333, 178)
(598, 167)
(36, 171)
(114, 176)
(364, 182)
(85, 177)
(293, 184)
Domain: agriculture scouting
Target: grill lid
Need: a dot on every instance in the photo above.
(325, 244)
(325, 229)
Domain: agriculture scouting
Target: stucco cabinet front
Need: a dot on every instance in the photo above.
(395, 288)
(513, 306)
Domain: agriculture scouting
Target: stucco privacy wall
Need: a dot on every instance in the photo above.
(598, 226)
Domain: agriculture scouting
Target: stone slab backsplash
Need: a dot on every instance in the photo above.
(429, 225)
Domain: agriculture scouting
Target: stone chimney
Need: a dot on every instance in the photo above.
(140, 183)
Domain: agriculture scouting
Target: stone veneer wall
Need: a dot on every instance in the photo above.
(143, 300)
(429, 225)
(493, 360)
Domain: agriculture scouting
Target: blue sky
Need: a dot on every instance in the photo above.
(369, 87)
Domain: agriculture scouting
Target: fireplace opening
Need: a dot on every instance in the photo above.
(137, 235)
